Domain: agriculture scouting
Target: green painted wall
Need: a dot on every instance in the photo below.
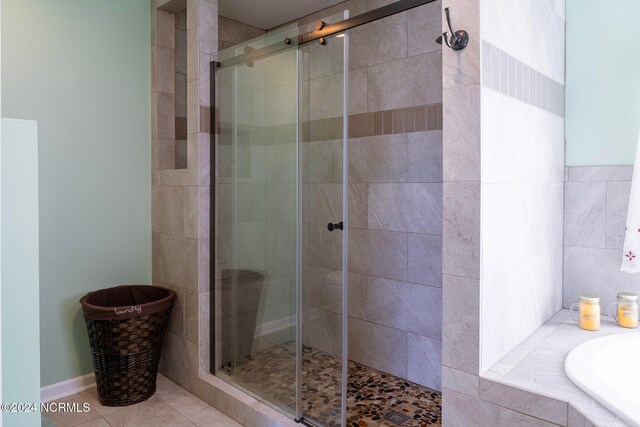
(603, 82)
(81, 69)
(20, 278)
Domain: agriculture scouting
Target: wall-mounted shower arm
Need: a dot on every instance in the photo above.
(458, 39)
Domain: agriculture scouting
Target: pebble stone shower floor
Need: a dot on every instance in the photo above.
(372, 395)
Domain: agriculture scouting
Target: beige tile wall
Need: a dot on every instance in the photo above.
(399, 248)
(169, 83)
(502, 172)
(410, 163)
(264, 181)
(596, 200)
(522, 176)
(180, 211)
(395, 152)
(461, 226)
(231, 32)
(180, 196)
(181, 89)
(163, 56)
(395, 197)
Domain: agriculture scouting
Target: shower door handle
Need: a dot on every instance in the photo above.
(336, 226)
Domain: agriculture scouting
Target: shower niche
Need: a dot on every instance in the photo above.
(169, 87)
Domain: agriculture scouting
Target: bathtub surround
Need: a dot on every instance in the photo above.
(533, 375)
(81, 70)
(596, 202)
(528, 386)
(503, 172)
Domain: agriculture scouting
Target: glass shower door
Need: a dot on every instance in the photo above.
(324, 232)
(256, 198)
(278, 297)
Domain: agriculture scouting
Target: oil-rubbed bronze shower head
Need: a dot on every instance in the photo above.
(458, 39)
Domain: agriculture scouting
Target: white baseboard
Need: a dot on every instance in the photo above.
(67, 387)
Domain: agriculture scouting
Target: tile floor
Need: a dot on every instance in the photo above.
(171, 406)
(374, 398)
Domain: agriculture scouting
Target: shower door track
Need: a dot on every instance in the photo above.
(326, 31)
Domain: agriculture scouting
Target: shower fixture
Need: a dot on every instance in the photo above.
(458, 39)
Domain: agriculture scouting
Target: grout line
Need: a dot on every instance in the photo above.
(398, 329)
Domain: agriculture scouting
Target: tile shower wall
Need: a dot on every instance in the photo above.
(231, 32)
(181, 89)
(180, 215)
(169, 58)
(180, 211)
(260, 190)
(503, 173)
(264, 182)
(596, 202)
(522, 174)
(395, 189)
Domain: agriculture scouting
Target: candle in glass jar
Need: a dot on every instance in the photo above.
(627, 314)
(589, 312)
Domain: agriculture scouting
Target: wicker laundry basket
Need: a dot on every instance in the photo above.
(126, 326)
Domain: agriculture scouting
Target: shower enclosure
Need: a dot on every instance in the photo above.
(283, 207)
(271, 225)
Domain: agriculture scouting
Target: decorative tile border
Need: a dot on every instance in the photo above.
(181, 128)
(205, 119)
(505, 74)
(400, 120)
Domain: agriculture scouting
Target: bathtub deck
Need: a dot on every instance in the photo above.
(537, 365)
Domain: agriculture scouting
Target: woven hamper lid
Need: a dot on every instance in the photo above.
(126, 302)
